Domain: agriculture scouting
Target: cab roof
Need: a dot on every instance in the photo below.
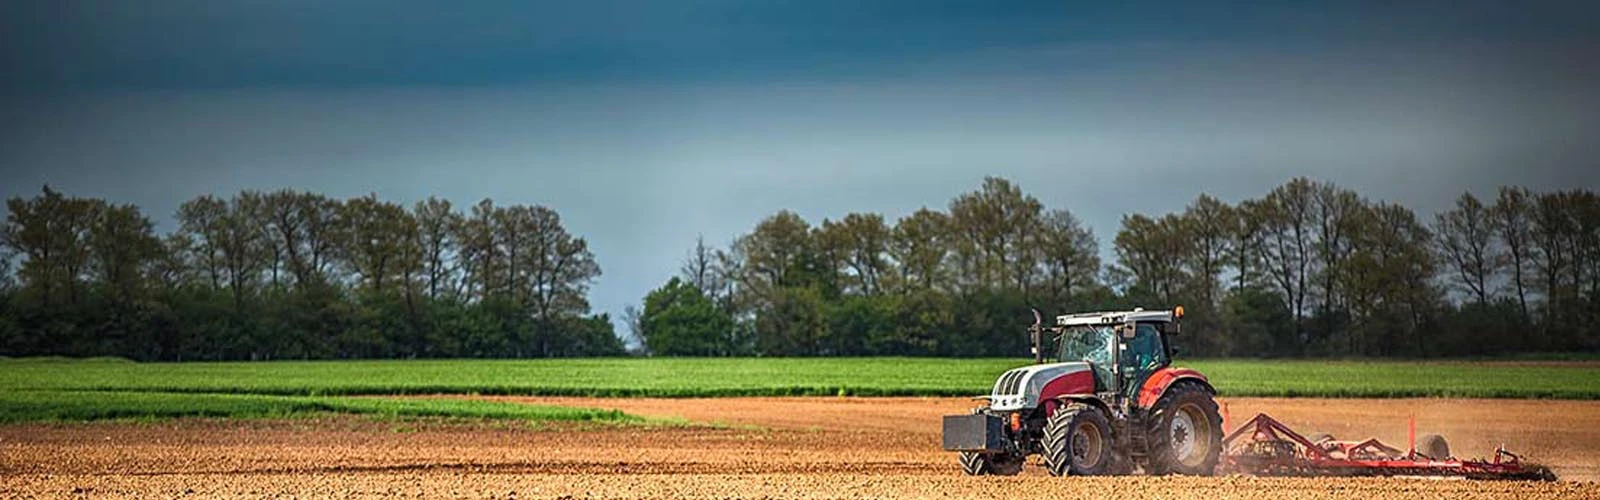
(1113, 317)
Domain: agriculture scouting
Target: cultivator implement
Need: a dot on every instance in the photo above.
(1264, 446)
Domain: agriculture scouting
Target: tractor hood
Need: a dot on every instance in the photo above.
(1023, 388)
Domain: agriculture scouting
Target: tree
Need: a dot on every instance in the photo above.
(1583, 211)
(792, 323)
(1256, 323)
(11, 338)
(437, 227)
(1284, 221)
(778, 253)
(172, 267)
(1335, 217)
(1465, 235)
(1566, 244)
(779, 284)
(678, 320)
(728, 271)
(302, 231)
(481, 254)
(924, 325)
(244, 250)
(859, 325)
(920, 245)
(1512, 216)
(991, 229)
(564, 270)
(1553, 231)
(382, 241)
(1153, 251)
(200, 223)
(324, 235)
(700, 266)
(523, 255)
(285, 219)
(1070, 256)
(259, 208)
(1210, 226)
(7, 265)
(1248, 244)
(1390, 272)
(858, 245)
(591, 335)
(633, 319)
(123, 247)
(52, 232)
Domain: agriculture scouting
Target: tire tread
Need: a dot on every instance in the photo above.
(1058, 440)
(1161, 460)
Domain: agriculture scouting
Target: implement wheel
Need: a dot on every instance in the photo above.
(1433, 446)
(1185, 432)
(1077, 441)
(990, 464)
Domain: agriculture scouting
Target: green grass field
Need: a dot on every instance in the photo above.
(689, 377)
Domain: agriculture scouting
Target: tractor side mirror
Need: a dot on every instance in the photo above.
(1174, 328)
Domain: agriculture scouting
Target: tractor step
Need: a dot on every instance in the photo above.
(1138, 441)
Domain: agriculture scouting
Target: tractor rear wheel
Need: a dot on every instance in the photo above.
(1185, 432)
(1077, 441)
(990, 464)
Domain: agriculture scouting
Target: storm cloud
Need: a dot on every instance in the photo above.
(648, 124)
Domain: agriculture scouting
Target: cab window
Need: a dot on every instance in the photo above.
(1144, 351)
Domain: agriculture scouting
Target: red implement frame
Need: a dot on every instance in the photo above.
(1264, 446)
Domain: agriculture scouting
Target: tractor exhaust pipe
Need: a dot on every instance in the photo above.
(1037, 332)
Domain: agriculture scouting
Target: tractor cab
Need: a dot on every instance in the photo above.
(1122, 348)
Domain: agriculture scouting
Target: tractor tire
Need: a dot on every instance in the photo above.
(1077, 442)
(990, 464)
(1185, 432)
(1433, 446)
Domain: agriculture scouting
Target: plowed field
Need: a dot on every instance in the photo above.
(770, 447)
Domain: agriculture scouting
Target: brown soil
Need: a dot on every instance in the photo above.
(772, 447)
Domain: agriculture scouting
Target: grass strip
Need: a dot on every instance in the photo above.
(724, 377)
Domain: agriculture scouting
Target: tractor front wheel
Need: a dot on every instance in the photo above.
(990, 464)
(1185, 433)
(1077, 441)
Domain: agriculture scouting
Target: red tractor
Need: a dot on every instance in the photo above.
(1108, 402)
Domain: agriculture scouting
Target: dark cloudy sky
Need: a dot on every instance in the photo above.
(648, 123)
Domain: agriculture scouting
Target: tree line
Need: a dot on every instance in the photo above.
(1309, 269)
(295, 275)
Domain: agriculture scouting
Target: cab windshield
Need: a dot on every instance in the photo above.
(1085, 343)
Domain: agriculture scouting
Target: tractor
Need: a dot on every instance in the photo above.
(1108, 401)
